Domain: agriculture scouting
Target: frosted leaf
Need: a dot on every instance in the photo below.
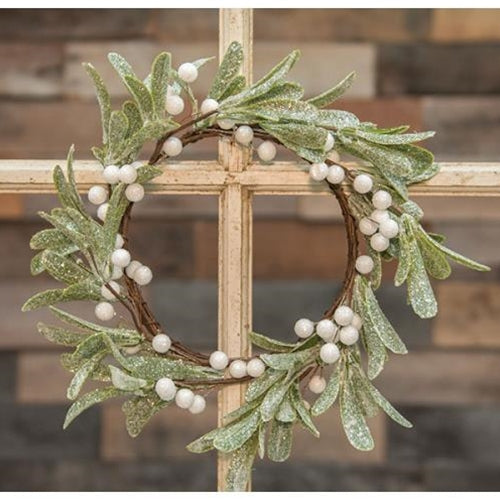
(159, 82)
(279, 444)
(286, 412)
(233, 436)
(227, 71)
(329, 395)
(124, 381)
(139, 410)
(261, 384)
(269, 344)
(61, 336)
(240, 465)
(331, 95)
(102, 98)
(83, 374)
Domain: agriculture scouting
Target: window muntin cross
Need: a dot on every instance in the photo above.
(235, 179)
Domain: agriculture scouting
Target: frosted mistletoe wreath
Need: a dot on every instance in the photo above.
(137, 360)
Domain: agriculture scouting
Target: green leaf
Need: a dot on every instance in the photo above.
(285, 90)
(279, 445)
(117, 205)
(83, 374)
(228, 70)
(118, 128)
(302, 411)
(204, 443)
(284, 110)
(304, 135)
(336, 119)
(376, 275)
(134, 118)
(406, 246)
(61, 336)
(88, 400)
(286, 412)
(121, 66)
(262, 440)
(85, 290)
(235, 435)
(52, 239)
(288, 360)
(159, 82)
(269, 344)
(139, 410)
(102, 98)
(36, 265)
(331, 95)
(64, 191)
(241, 411)
(329, 395)
(391, 139)
(148, 172)
(124, 381)
(240, 465)
(381, 324)
(261, 384)
(236, 85)
(141, 95)
(273, 399)
(353, 421)
(388, 408)
(435, 261)
(63, 268)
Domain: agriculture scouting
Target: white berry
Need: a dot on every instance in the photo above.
(208, 106)
(317, 384)
(244, 135)
(120, 257)
(304, 328)
(134, 193)
(318, 171)
(382, 200)
(218, 360)
(389, 228)
(117, 273)
(161, 343)
(128, 174)
(119, 241)
(102, 211)
(165, 388)
(174, 105)
(110, 174)
(184, 398)
(238, 368)
(379, 243)
(104, 311)
(330, 141)
(172, 146)
(379, 215)
(97, 195)
(143, 275)
(326, 329)
(132, 268)
(106, 293)
(266, 151)
(363, 183)
(226, 124)
(172, 90)
(364, 264)
(367, 226)
(256, 367)
(329, 353)
(198, 405)
(348, 335)
(336, 174)
(137, 164)
(357, 322)
(343, 315)
(188, 72)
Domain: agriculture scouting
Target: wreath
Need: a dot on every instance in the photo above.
(136, 359)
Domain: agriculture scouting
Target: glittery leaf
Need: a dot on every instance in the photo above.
(91, 346)
(302, 412)
(381, 324)
(141, 95)
(134, 118)
(406, 255)
(100, 372)
(242, 411)
(102, 98)
(61, 336)
(262, 440)
(304, 135)
(261, 384)
(63, 268)
(68, 196)
(286, 412)
(389, 139)
(85, 290)
(227, 71)
(420, 293)
(286, 361)
(236, 85)
(266, 82)
(377, 353)
(204, 443)
(51, 239)
(284, 110)
(88, 400)
(411, 208)
(336, 119)
(435, 261)
(121, 336)
(147, 173)
(117, 205)
(139, 410)
(269, 344)
(240, 465)
(460, 259)
(376, 275)
(331, 95)
(354, 424)
(273, 399)
(285, 90)
(118, 128)
(83, 374)
(233, 436)
(159, 82)
(279, 444)
(360, 385)
(120, 64)
(329, 395)
(36, 264)
(124, 381)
